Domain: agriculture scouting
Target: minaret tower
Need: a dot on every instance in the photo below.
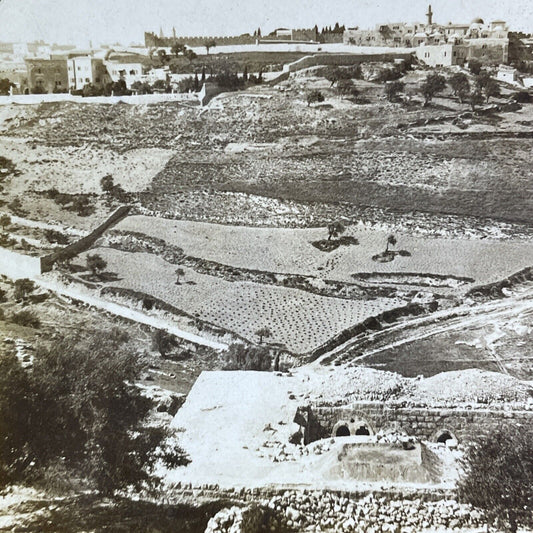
(429, 15)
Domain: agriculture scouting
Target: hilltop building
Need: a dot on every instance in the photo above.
(440, 44)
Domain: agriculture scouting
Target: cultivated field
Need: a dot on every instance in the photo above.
(300, 320)
(291, 251)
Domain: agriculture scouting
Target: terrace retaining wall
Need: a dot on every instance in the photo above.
(321, 421)
(72, 250)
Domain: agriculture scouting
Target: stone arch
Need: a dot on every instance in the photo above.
(442, 435)
(353, 426)
(342, 431)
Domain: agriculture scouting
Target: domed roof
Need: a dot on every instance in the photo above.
(477, 21)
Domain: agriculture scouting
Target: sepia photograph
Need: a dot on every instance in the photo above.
(266, 266)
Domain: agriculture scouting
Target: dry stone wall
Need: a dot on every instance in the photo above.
(321, 421)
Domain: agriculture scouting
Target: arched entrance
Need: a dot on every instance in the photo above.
(342, 431)
(352, 427)
(442, 436)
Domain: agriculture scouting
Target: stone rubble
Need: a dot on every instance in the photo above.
(314, 512)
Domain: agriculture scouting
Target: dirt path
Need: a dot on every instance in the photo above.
(465, 316)
(125, 312)
(43, 225)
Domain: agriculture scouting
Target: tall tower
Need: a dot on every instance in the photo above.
(161, 34)
(173, 32)
(429, 15)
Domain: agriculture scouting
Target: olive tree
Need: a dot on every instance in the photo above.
(335, 229)
(433, 84)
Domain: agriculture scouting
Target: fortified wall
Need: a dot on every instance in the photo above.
(433, 424)
(151, 40)
(343, 59)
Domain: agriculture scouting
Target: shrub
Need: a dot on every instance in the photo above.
(23, 288)
(5, 220)
(163, 342)
(26, 318)
(91, 90)
(82, 206)
(498, 476)
(522, 97)
(3, 296)
(335, 229)
(241, 357)
(314, 96)
(107, 183)
(95, 263)
(6, 241)
(16, 207)
(347, 88)
(474, 66)
(55, 237)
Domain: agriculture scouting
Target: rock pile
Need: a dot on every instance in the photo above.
(228, 520)
(324, 511)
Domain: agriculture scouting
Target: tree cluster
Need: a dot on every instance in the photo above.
(76, 413)
(483, 88)
(242, 357)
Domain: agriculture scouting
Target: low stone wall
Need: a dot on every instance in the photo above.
(408, 510)
(85, 243)
(190, 98)
(321, 421)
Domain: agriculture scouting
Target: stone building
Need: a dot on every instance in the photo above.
(445, 44)
(47, 75)
(86, 70)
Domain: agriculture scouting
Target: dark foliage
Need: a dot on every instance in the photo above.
(433, 84)
(498, 476)
(314, 96)
(5, 85)
(241, 357)
(163, 342)
(26, 318)
(460, 85)
(393, 89)
(95, 263)
(474, 65)
(55, 237)
(23, 288)
(78, 411)
(16, 208)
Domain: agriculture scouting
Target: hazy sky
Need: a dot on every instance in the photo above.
(105, 21)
